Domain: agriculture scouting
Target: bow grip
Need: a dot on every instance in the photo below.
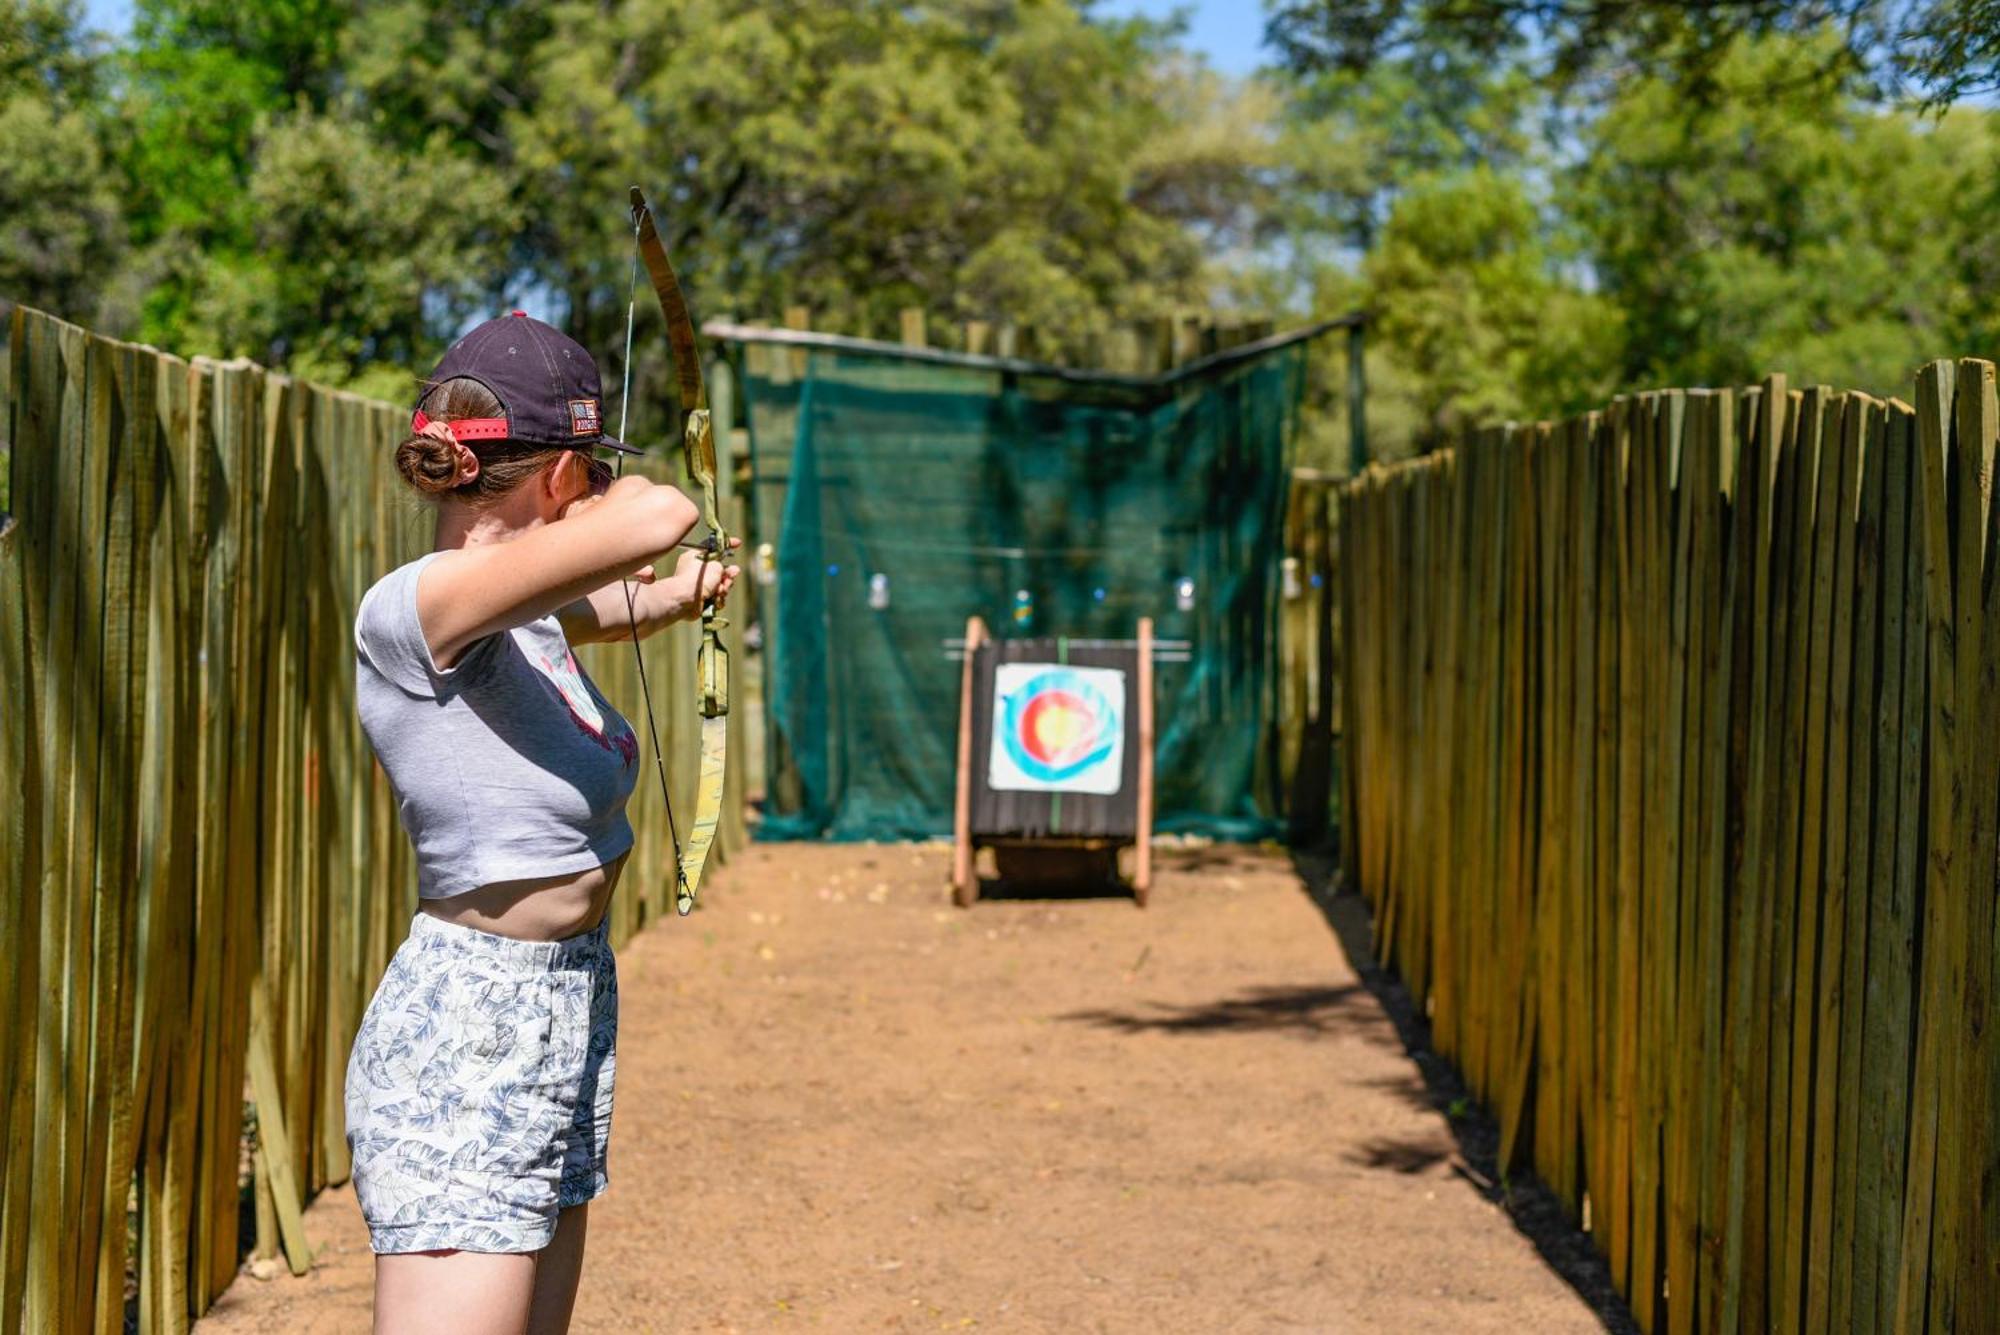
(712, 664)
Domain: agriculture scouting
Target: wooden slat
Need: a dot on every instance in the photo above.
(1582, 782)
(1651, 509)
(112, 1140)
(1820, 1032)
(1790, 1261)
(1547, 472)
(1979, 1086)
(1946, 816)
(1802, 483)
(1960, 1272)
(1512, 793)
(1624, 696)
(1679, 913)
(35, 405)
(1609, 1194)
(1743, 1198)
(54, 1161)
(1841, 1086)
(167, 824)
(1895, 868)
(274, 1148)
(1723, 746)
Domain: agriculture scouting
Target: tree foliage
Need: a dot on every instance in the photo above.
(1538, 203)
(1473, 305)
(1534, 243)
(330, 185)
(59, 222)
(1799, 229)
(1939, 49)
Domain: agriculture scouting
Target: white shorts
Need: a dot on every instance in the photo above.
(479, 1089)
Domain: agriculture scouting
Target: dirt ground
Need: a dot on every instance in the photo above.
(844, 1104)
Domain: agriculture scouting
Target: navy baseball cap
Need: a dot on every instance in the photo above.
(547, 385)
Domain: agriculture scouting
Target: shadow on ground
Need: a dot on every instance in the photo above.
(1308, 1012)
(1534, 1209)
(1409, 1154)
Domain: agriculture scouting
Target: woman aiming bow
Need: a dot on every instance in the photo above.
(479, 1088)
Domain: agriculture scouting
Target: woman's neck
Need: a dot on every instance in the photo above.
(460, 525)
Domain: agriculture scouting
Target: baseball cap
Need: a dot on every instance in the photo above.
(547, 385)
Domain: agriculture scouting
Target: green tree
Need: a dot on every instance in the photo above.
(1569, 41)
(1938, 50)
(1028, 162)
(1407, 193)
(1360, 138)
(1791, 226)
(59, 215)
(202, 81)
(1476, 314)
(383, 250)
(1696, 226)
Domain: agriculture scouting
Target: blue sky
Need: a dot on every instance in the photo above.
(1229, 32)
(108, 15)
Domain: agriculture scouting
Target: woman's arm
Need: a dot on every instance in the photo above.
(603, 614)
(471, 592)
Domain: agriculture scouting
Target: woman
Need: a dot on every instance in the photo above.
(479, 1089)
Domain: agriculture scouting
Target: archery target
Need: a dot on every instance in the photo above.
(1057, 729)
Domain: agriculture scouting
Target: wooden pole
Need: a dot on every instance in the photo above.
(1142, 859)
(964, 881)
(798, 317)
(1357, 400)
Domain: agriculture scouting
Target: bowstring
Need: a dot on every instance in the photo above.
(631, 608)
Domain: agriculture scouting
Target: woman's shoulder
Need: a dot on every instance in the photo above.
(405, 573)
(387, 633)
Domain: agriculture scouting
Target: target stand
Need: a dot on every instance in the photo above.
(1055, 762)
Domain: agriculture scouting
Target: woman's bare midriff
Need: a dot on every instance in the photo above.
(547, 908)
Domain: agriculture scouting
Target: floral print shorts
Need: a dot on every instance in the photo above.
(479, 1089)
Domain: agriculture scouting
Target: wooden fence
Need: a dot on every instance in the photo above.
(1309, 727)
(1674, 767)
(201, 872)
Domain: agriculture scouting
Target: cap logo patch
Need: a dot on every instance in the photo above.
(583, 418)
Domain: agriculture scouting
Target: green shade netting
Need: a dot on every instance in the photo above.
(957, 490)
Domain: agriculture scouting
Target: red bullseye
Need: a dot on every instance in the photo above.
(1056, 726)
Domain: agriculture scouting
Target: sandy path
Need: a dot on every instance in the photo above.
(843, 1104)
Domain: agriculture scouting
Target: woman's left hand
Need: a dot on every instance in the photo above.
(699, 579)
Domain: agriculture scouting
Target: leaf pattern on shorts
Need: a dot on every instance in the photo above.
(479, 1091)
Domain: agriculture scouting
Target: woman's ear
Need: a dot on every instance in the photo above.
(563, 480)
(567, 482)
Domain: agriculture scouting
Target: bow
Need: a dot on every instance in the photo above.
(712, 659)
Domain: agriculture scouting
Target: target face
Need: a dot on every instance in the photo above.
(1057, 729)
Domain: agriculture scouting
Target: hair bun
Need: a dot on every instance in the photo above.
(428, 464)
(429, 460)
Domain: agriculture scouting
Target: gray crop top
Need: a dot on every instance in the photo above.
(508, 766)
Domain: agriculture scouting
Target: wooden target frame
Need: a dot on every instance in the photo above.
(1013, 825)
